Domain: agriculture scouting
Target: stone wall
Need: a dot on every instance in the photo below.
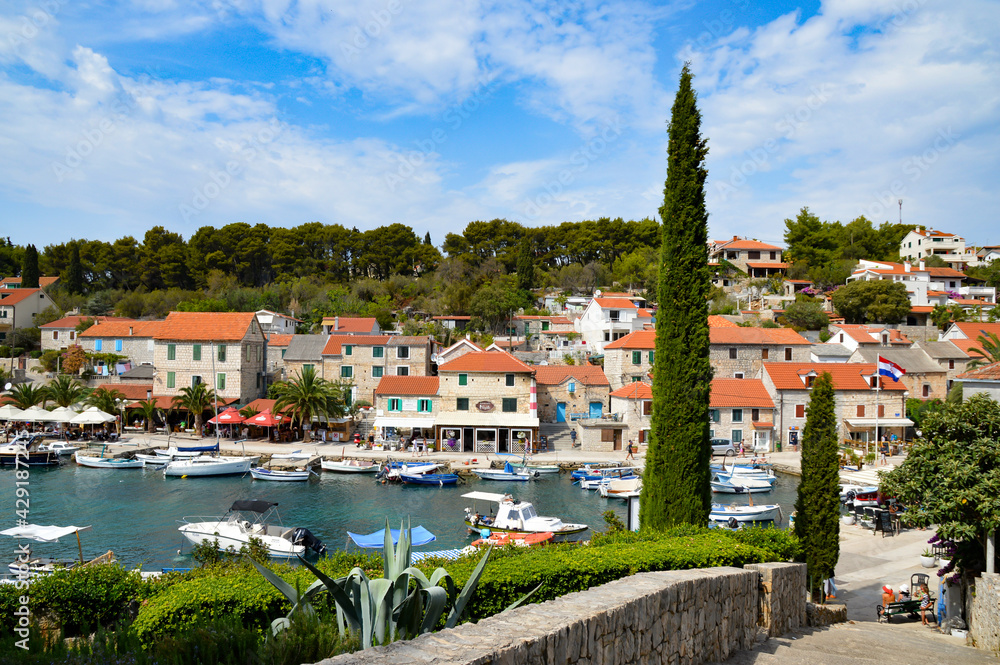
(984, 619)
(677, 617)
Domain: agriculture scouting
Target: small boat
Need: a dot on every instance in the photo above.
(507, 473)
(850, 492)
(594, 473)
(251, 518)
(391, 470)
(762, 513)
(176, 453)
(60, 448)
(209, 466)
(438, 479)
(727, 474)
(739, 485)
(154, 461)
(349, 466)
(499, 539)
(26, 449)
(260, 473)
(294, 455)
(523, 463)
(214, 448)
(621, 489)
(514, 516)
(96, 462)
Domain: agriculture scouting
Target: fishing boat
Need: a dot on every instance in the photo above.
(524, 463)
(621, 489)
(153, 461)
(60, 448)
(349, 466)
(26, 449)
(756, 474)
(437, 479)
(209, 466)
(214, 448)
(391, 470)
(739, 485)
(513, 516)
(296, 455)
(596, 473)
(176, 453)
(507, 473)
(500, 539)
(280, 475)
(251, 518)
(850, 493)
(761, 513)
(95, 462)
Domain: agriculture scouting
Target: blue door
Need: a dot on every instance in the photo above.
(561, 412)
(596, 409)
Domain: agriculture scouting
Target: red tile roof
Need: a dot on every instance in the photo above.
(348, 324)
(716, 321)
(738, 243)
(42, 281)
(640, 339)
(973, 330)
(485, 361)
(931, 233)
(863, 334)
(644, 313)
(130, 390)
(551, 319)
(122, 328)
(762, 336)
(205, 326)
(279, 340)
(615, 303)
(14, 296)
(740, 393)
(766, 264)
(846, 376)
(984, 373)
(972, 301)
(74, 320)
(799, 281)
(407, 385)
(634, 390)
(921, 309)
(552, 375)
(945, 272)
(451, 318)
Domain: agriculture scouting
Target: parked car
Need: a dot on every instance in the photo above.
(723, 447)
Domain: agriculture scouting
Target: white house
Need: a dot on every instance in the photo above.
(921, 243)
(18, 309)
(278, 324)
(609, 319)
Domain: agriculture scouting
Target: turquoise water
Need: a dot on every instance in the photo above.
(134, 512)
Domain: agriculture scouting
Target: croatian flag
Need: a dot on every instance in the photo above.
(888, 368)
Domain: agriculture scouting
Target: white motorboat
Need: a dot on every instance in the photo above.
(26, 449)
(174, 453)
(392, 470)
(107, 462)
(507, 473)
(295, 455)
(762, 513)
(280, 475)
(739, 485)
(154, 461)
(349, 466)
(622, 489)
(209, 466)
(60, 448)
(513, 516)
(251, 518)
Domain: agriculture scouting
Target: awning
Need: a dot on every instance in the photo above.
(419, 423)
(757, 424)
(473, 419)
(418, 536)
(42, 534)
(881, 422)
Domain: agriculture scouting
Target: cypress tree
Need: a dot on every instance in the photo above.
(525, 266)
(675, 487)
(427, 238)
(74, 272)
(29, 270)
(817, 506)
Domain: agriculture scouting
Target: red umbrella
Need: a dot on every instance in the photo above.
(228, 417)
(265, 419)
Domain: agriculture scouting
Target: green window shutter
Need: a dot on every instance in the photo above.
(220, 381)
(305, 367)
(652, 356)
(462, 404)
(463, 379)
(348, 349)
(509, 379)
(378, 352)
(222, 353)
(636, 357)
(171, 379)
(346, 372)
(171, 352)
(196, 352)
(545, 325)
(509, 405)
(377, 371)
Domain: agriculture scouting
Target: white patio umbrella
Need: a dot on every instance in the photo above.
(62, 414)
(10, 412)
(92, 416)
(36, 414)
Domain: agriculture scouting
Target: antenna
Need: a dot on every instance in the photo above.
(900, 211)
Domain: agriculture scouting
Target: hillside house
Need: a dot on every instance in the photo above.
(757, 259)
(18, 309)
(924, 378)
(607, 320)
(346, 325)
(61, 334)
(273, 323)
(920, 243)
(570, 392)
(132, 340)
(742, 411)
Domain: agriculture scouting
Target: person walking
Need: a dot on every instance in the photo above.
(628, 450)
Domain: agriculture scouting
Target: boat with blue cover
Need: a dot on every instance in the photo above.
(436, 479)
(507, 473)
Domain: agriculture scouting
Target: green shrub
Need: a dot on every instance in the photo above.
(307, 640)
(80, 598)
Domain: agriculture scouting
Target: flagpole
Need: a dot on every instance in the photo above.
(878, 389)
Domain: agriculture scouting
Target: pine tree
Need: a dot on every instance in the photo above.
(817, 506)
(525, 266)
(676, 486)
(427, 239)
(29, 270)
(74, 272)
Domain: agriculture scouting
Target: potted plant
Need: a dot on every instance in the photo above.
(847, 519)
(927, 559)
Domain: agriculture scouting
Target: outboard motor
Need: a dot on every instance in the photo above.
(303, 536)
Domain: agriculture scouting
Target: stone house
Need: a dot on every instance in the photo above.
(452, 322)
(223, 349)
(133, 340)
(946, 354)
(406, 406)
(852, 336)
(304, 351)
(347, 325)
(742, 411)
(364, 359)
(18, 309)
(755, 258)
(924, 378)
(277, 346)
(985, 379)
(738, 353)
(459, 348)
(61, 334)
(964, 335)
(633, 404)
(630, 358)
(601, 435)
(569, 392)
(606, 320)
(488, 403)
(859, 406)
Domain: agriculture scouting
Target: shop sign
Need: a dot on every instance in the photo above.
(485, 406)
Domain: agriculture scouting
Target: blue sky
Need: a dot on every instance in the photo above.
(118, 116)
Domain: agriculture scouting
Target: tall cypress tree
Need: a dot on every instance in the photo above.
(817, 506)
(29, 270)
(675, 487)
(74, 272)
(525, 266)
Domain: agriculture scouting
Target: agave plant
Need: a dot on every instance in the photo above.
(384, 609)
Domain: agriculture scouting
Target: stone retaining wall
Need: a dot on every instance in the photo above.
(984, 619)
(676, 617)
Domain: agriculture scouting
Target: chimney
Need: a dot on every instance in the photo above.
(130, 333)
(736, 237)
(921, 264)
(336, 323)
(906, 267)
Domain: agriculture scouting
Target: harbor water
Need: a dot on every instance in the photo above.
(135, 513)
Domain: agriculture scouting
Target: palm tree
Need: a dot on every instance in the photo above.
(105, 399)
(148, 410)
(196, 399)
(306, 396)
(66, 391)
(248, 412)
(989, 351)
(27, 395)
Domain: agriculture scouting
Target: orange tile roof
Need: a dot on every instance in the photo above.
(799, 281)
(14, 296)
(644, 313)
(739, 393)
(863, 334)
(130, 390)
(74, 320)
(640, 339)
(334, 345)
(747, 244)
(921, 309)
(766, 264)
(279, 340)
(615, 303)
(738, 335)
(122, 328)
(451, 318)
(973, 330)
(590, 375)
(971, 301)
(485, 361)
(205, 326)
(931, 233)
(634, 390)
(550, 319)
(42, 281)
(846, 376)
(985, 373)
(945, 272)
(348, 324)
(407, 385)
(716, 321)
